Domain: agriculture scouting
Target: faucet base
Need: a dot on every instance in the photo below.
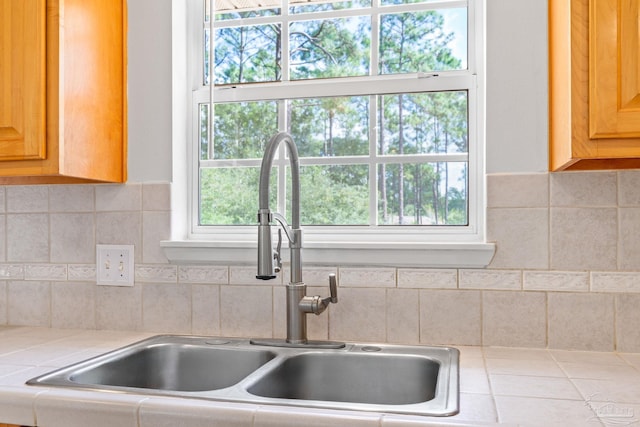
(274, 342)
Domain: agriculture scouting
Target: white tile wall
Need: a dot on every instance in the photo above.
(584, 238)
(246, 311)
(570, 281)
(73, 305)
(205, 305)
(566, 273)
(427, 278)
(166, 308)
(490, 279)
(581, 321)
(514, 319)
(451, 317)
(583, 189)
(72, 238)
(119, 308)
(360, 315)
(27, 237)
(403, 316)
(627, 321)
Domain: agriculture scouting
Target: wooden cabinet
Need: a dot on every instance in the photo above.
(594, 84)
(22, 80)
(63, 115)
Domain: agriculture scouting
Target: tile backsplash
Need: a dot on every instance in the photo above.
(566, 273)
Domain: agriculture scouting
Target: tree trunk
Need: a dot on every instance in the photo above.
(278, 64)
(329, 149)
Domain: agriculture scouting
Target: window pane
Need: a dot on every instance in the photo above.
(422, 123)
(332, 195)
(247, 54)
(242, 129)
(422, 194)
(229, 196)
(423, 41)
(206, 61)
(326, 127)
(330, 48)
(204, 131)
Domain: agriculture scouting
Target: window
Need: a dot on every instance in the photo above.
(382, 97)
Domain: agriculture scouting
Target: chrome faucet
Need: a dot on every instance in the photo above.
(270, 261)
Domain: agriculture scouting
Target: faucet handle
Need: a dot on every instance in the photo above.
(317, 304)
(333, 288)
(276, 253)
(333, 292)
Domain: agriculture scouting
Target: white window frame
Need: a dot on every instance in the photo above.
(400, 246)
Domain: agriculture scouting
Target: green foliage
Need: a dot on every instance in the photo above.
(340, 195)
(330, 48)
(229, 196)
(247, 54)
(413, 42)
(241, 129)
(327, 127)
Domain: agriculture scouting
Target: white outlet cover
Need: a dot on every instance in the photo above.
(114, 265)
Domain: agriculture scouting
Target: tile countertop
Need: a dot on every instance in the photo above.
(499, 386)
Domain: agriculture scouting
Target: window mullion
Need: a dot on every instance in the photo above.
(284, 42)
(473, 43)
(373, 116)
(375, 37)
(344, 160)
(373, 165)
(345, 87)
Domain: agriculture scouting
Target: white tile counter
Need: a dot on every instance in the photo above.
(505, 386)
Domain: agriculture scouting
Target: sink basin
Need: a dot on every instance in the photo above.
(417, 380)
(388, 379)
(175, 366)
(163, 365)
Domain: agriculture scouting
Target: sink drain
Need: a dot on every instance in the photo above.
(371, 348)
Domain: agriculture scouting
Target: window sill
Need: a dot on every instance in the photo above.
(425, 255)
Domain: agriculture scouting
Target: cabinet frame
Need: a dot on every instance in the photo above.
(582, 83)
(86, 96)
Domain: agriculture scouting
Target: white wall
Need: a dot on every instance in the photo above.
(516, 87)
(517, 137)
(150, 90)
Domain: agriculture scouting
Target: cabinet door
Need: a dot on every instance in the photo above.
(22, 79)
(614, 69)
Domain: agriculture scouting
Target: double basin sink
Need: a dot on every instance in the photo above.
(415, 380)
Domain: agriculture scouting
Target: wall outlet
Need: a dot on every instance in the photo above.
(114, 265)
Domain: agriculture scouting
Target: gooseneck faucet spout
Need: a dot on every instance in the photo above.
(266, 257)
(269, 261)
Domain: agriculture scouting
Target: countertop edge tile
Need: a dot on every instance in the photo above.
(17, 404)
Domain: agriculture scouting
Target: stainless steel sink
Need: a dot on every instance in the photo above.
(383, 378)
(386, 379)
(174, 366)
